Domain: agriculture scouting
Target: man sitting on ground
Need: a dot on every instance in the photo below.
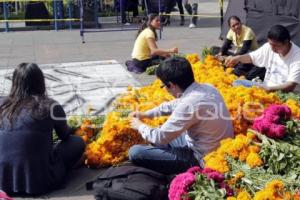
(198, 121)
(281, 58)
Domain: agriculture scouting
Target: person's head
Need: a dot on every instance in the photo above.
(279, 39)
(176, 75)
(28, 84)
(152, 22)
(27, 80)
(235, 24)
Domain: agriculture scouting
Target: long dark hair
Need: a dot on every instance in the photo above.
(28, 91)
(147, 24)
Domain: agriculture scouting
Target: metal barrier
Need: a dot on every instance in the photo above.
(122, 28)
(55, 14)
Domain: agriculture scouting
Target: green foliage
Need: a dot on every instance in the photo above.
(205, 52)
(256, 178)
(206, 189)
(280, 157)
(290, 95)
(75, 122)
(151, 70)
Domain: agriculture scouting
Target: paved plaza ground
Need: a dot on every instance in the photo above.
(54, 51)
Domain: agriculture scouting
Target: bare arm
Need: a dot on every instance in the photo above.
(233, 60)
(285, 87)
(155, 51)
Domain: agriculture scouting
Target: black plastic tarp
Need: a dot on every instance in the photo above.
(260, 15)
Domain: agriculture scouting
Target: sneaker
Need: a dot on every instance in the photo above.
(192, 25)
(127, 24)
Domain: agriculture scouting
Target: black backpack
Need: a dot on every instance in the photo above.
(130, 183)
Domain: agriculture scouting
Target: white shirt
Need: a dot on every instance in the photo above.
(278, 69)
(200, 113)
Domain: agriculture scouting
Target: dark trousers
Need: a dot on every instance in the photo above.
(169, 6)
(166, 160)
(192, 10)
(250, 71)
(70, 150)
(143, 64)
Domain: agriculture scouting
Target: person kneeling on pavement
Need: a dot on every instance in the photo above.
(145, 51)
(243, 38)
(198, 121)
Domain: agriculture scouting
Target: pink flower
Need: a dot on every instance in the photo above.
(277, 131)
(271, 118)
(194, 170)
(261, 125)
(212, 174)
(283, 111)
(269, 122)
(179, 186)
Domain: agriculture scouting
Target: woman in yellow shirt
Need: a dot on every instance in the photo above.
(244, 40)
(145, 51)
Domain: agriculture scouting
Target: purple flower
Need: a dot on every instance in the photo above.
(194, 170)
(212, 174)
(283, 111)
(277, 131)
(229, 190)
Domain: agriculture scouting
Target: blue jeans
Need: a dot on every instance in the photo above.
(168, 159)
(245, 83)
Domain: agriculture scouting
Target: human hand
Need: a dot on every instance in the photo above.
(220, 58)
(174, 50)
(231, 61)
(135, 123)
(137, 114)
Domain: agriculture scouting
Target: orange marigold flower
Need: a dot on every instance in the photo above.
(243, 195)
(253, 160)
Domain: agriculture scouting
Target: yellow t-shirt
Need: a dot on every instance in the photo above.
(141, 49)
(246, 34)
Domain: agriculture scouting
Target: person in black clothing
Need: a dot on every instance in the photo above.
(169, 4)
(29, 161)
(125, 5)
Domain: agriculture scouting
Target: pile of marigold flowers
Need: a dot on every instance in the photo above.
(249, 166)
(244, 104)
(263, 164)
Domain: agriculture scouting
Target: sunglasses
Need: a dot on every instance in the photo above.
(165, 85)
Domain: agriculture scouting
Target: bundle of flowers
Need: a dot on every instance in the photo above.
(117, 136)
(274, 190)
(254, 161)
(272, 120)
(242, 148)
(274, 174)
(244, 104)
(199, 183)
(88, 127)
(112, 146)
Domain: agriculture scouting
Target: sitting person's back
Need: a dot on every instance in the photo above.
(29, 163)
